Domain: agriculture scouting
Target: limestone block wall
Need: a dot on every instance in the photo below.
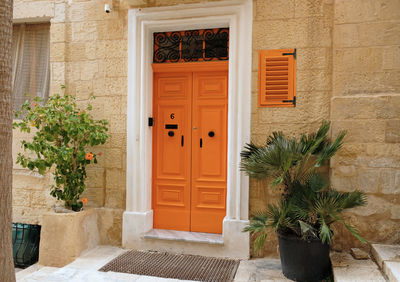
(366, 103)
(88, 54)
(307, 26)
(348, 71)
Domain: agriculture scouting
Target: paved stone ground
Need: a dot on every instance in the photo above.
(346, 269)
(264, 269)
(388, 259)
(84, 269)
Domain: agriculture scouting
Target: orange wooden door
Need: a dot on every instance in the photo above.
(172, 150)
(190, 146)
(209, 147)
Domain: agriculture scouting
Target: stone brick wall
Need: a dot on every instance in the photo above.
(88, 54)
(307, 26)
(366, 103)
(348, 70)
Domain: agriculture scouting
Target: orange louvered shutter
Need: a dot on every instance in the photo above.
(277, 78)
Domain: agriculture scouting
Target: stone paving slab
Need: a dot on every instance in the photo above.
(392, 270)
(385, 253)
(39, 275)
(95, 258)
(67, 274)
(348, 269)
(263, 269)
(25, 272)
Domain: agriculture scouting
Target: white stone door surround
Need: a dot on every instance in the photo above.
(142, 23)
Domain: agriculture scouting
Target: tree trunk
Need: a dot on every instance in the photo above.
(6, 259)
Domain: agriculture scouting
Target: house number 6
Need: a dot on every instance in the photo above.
(172, 116)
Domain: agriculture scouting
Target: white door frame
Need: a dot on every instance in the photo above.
(142, 23)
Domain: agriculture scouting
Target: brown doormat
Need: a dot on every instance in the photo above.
(185, 267)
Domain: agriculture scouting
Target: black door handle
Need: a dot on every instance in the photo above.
(201, 142)
(182, 141)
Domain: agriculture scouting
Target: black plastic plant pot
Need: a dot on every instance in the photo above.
(25, 239)
(304, 260)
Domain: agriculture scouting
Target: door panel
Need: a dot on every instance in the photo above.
(171, 150)
(171, 157)
(210, 159)
(190, 146)
(209, 146)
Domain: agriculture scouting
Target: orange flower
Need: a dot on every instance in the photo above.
(89, 156)
(79, 114)
(84, 200)
(35, 104)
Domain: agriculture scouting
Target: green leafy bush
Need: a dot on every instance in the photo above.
(62, 135)
(308, 206)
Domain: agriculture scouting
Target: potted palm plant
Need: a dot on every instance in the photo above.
(308, 206)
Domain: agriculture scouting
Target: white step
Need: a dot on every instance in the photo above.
(388, 259)
(193, 237)
(25, 272)
(347, 269)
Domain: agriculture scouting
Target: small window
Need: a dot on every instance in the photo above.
(191, 45)
(31, 62)
(277, 78)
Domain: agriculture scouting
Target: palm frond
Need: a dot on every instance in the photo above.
(307, 229)
(354, 232)
(258, 223)
(353, 199)
(317, 183)
(325, 234)
(259, 241)
(248, 150)
(308, 206)
(330, 149)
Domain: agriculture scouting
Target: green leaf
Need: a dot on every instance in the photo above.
(306, 228)
(259, 241)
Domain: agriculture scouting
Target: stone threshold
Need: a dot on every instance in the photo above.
(193, 237)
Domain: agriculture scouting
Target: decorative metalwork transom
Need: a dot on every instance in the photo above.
(191, 45)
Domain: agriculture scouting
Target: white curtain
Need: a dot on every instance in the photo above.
(31, 62)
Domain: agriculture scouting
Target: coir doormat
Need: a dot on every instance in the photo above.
(166, 265)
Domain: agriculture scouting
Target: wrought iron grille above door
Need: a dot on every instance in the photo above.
(191, 45)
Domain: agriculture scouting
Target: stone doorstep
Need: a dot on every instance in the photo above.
(388, 259)
(185, 236)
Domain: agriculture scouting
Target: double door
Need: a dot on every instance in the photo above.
(190, 105)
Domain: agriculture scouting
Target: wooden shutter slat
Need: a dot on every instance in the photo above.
(276, 82)
(276, 78)
(272, 92)
(277, 87)
(276, 68)
(270, 59)
(277, 73)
